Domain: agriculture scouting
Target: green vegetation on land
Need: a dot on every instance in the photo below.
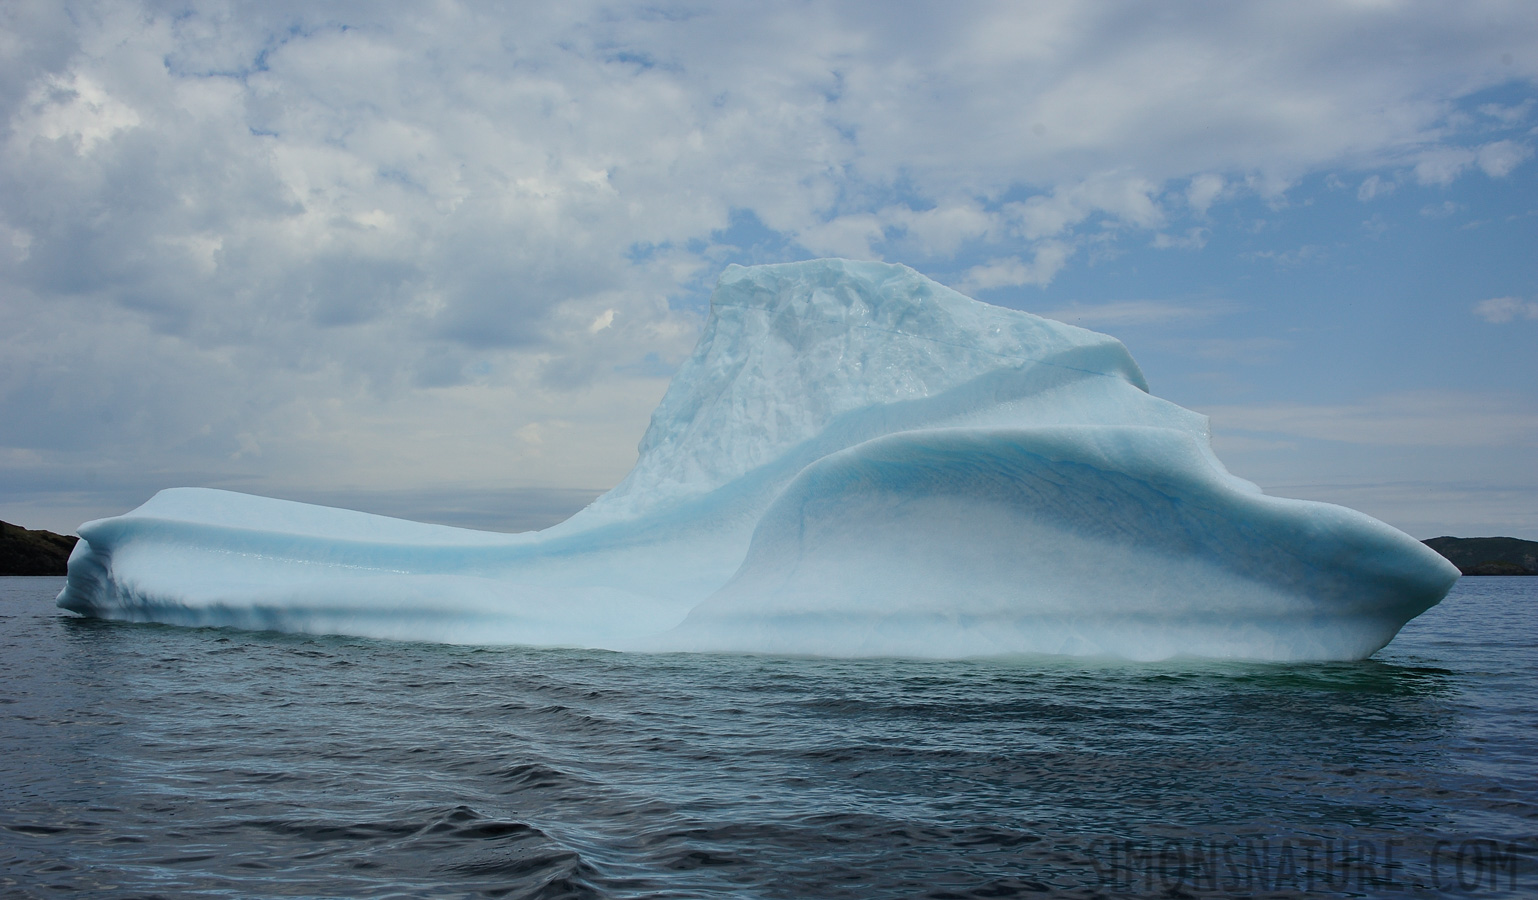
(27, 552)
(1488, 555)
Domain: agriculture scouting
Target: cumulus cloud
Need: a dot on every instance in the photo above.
(1204, 190)
(1193, 239)
(1497, 159)
(1373, 186)
(274, 244)
(1048, 260)
(1498, 310)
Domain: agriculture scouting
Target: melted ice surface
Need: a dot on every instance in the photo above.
(854, 460)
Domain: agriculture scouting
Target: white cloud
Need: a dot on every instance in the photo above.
(1193, 239)
(1441, 165)
(603, 320)
(1498, 310)
(1441, 210)
(1048, 260)
(1373, 186)
(943, 230)
(850, 237)
(1121, 198)
(379, 240)
(1204, 190)
(75, 110)
(1499, 158)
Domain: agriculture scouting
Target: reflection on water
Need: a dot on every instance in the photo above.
(147, 758)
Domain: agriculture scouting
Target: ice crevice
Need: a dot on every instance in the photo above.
(855, 460)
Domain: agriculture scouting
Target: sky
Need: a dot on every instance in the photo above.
(439, 260)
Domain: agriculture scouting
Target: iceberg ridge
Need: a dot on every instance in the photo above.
(855, 460)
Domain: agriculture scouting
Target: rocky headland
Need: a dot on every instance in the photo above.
(27, 552)
(1488, 555)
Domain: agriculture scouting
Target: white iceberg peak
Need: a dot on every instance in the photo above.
(794, 351)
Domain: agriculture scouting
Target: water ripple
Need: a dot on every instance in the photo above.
(151, 760)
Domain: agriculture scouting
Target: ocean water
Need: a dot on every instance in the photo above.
(146, 760)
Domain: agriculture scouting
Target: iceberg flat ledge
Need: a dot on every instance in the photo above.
(855, 460)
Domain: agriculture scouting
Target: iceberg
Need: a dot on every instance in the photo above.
(855, 460)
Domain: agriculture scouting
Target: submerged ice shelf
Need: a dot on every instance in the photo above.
(855, 460)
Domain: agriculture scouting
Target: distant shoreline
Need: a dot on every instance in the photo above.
(1488, 555)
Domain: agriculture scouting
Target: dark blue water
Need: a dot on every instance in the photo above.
(144, 760)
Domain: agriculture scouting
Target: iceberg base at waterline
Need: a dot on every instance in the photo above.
(855, 460)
